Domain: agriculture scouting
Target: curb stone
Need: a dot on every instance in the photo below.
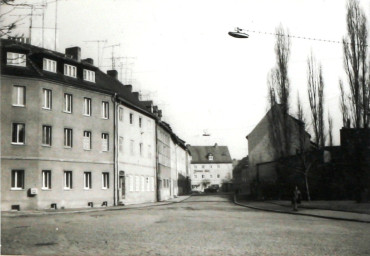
(298, 213)
(128, 207)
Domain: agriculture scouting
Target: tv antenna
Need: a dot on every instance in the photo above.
(98, 43)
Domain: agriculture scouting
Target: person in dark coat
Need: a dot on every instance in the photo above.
(296, 199)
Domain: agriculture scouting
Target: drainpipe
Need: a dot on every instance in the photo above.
(156, 162)
(115, 158)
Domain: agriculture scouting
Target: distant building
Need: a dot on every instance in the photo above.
(210, 165)
(240, 172)
(262, 154)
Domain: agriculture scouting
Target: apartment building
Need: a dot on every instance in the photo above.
(56, 130)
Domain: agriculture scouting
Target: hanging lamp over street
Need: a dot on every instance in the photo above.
(238, 33)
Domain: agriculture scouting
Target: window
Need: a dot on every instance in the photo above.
(132, 147)
(105, 110)
(87, 106)
(50, 65)
(67, 179)
(19, 96)
(46, 179)
(131, 183)
(89, 75)
(210, 166)
(70, 70)
(18, 133)
(67, 138)
(87, 180)
(210, 175)
(147, 184)
(218, 175)
(16, 59)
(141, 149)
(87, 140)
(105, 180)
(17, 181)
(137, 183)
(46, 135)
(210, 157)
(120, 144)
(202, 175)
(195, 176)
(151, 183)
(140, 122)
(68, 103)
(105, 141)
(149, 151)
(47, 99)
(120, 114)
(131, 118)
(142, 183)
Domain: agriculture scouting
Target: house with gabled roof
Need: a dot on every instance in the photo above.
(210, 165)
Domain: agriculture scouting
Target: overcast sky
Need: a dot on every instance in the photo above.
(181, 56)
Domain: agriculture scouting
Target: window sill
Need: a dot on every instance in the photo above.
(51, 71)
(67, 112)
(49, 109)
(16, 65)
(19, 106)
(46, 146)
(87, 149)
(46, 189)
(87, 188)
(18, 144)
(105, 118)
(86, 115)
(104, 188)
(65, 147)
(17, 189)
(67, 189)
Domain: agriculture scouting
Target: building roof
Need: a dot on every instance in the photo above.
(103, 83)
(200, 154)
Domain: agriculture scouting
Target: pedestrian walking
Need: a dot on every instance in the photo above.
(296, 198)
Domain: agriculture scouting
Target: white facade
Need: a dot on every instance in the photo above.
(136, 150)
(206, 174)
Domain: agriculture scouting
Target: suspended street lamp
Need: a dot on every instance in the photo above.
(238, 33)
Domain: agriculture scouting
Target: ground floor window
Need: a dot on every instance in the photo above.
(87, 180)
(46, 179)
(17, 181)
(67, 179)
(105, 180)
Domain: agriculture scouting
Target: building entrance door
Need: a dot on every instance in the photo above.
(122, 184)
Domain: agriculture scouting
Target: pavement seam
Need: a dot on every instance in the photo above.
(297, 213)
(133, 206)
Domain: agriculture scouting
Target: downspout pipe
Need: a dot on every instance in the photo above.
(115, 158)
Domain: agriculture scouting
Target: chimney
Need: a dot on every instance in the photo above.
(155, 109)
(113, 73)
(89, 61)
(128, 87)
(215, 144)
(74, 53)
(159, 113)
(136, 95)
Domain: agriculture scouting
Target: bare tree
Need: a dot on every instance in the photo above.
(343, 105)
(279, 91)
(330, 129)
(355, 63)
(315, 89)
(7, 26)
(306, 162)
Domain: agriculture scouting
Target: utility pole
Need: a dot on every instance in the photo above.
(98, 42)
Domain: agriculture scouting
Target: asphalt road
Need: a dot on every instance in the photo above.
(201, 225)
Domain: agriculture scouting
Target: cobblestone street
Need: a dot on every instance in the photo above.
(200, 225)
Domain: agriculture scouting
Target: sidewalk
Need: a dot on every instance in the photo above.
(319, 213)
(98, 209)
